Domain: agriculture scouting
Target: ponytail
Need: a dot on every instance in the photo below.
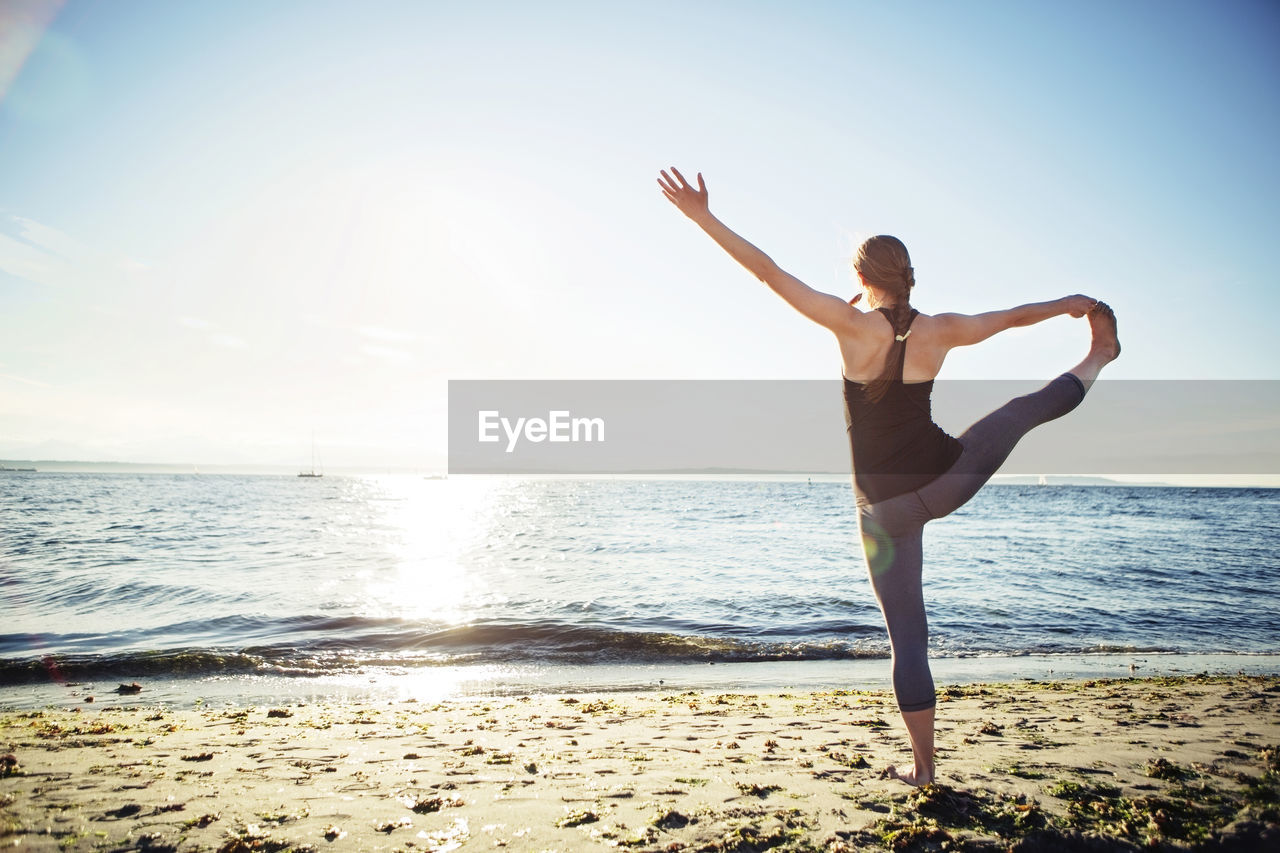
(883, 261)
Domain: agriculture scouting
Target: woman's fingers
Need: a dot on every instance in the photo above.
(680, 193)
(680, 183)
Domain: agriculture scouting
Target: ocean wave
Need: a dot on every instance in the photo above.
(465, 644)
(486, 643)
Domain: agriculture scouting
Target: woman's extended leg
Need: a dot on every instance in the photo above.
(988, 443)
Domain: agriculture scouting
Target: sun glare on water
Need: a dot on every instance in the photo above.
(431, 526)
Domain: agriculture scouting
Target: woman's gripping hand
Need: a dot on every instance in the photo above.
(1078, 305)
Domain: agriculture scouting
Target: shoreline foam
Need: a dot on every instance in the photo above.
(439, 683)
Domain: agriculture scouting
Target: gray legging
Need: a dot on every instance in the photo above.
(892, 530)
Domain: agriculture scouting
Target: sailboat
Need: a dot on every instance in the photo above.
(313, 472)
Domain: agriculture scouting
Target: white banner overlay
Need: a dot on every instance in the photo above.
(571, 427)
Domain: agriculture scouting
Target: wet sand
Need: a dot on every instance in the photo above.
(1169, 763)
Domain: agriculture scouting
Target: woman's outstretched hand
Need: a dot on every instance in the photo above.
(1078, 305)
(692, 203)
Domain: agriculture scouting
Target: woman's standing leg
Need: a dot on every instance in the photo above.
(892, 536)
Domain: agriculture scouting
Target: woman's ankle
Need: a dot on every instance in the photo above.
(914, 776)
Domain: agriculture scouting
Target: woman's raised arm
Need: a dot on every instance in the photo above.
(960, 330)
(824, 309)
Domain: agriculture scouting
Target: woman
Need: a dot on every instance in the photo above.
(906, 470)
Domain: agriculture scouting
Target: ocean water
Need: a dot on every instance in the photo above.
(117, 576)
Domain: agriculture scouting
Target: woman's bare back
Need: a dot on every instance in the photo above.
(865, 344)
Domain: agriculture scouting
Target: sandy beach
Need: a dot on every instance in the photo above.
(1169, 763)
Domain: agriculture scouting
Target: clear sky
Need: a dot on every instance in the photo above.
(226, 225)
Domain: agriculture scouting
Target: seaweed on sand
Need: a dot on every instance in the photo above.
(789, 830)
(1186, 813)
(939, 817)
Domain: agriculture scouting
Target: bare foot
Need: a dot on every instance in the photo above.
(909, 776)
(1106, 343)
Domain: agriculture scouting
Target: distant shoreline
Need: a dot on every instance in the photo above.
(9, 467)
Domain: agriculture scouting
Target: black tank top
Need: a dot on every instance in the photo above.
(895, 446)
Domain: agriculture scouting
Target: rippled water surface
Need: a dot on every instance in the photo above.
(106, 573)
